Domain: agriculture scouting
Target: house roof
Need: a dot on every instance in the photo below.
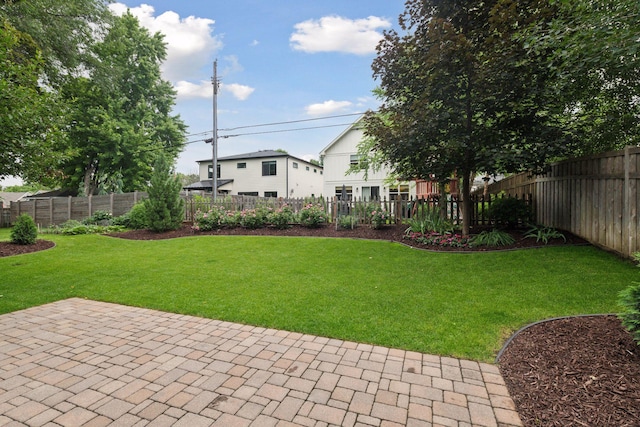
(9, 196)
(339, 137)
(257, 155)
(207, 184)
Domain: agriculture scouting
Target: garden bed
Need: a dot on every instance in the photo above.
(395, 233)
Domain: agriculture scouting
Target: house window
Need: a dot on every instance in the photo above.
(210, 168)
(295, 165)
(354, 159)
(270, 194)
(371, 193)
(242, 165)
(247, 193)
(307, 168)
(269, 168)
(315, 170)
(400, 192)
(348, 192)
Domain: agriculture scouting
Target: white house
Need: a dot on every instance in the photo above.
(265, 173)
(340, 154)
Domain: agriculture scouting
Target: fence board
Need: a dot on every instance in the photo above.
(593, 197)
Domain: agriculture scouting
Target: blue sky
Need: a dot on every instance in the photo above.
(278, 61)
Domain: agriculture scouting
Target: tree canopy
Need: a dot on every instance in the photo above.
(591, 49)
(86, 105)
(461, 95)
(121, 115)
(31, 119)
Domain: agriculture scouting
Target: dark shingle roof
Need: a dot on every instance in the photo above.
(207, 184)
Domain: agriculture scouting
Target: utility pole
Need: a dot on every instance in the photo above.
(214, 140)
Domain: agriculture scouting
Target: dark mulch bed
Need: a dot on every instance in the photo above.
(395, 233)
(579, 371)
(8, 248)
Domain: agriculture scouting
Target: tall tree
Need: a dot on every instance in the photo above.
(592, 51)
(121, 114)
(461, 95)
(62, 30)
(31, 121)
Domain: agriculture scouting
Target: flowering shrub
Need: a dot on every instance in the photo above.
(281, 218)
(210, 220)
(231, 219)
(253, 218)
(312, 216)
(433, 238)
(378, 218)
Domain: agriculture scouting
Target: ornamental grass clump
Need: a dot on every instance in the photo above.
(493, 238)
(544, 234)
(346, 222)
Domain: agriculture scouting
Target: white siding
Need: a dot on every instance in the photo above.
(336, 162)
(303, 182)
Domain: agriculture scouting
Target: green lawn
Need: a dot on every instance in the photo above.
(463, 305)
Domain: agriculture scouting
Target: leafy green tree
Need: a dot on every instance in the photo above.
(592, 50)
(31, 122)
(460, 95)
(63, 31)
(164, 207)
(186, 179)
(122, 113)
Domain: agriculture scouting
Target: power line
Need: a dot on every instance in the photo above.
(283, 130)
(208, 140)
(290, 122)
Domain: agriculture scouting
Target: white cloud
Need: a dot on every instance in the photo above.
(233, 65)
(190, 42)
(338, 34)
(327, 107)
(240, 92)
(254, 43)
(188, 90)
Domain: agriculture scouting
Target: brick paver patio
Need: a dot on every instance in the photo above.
(85, 363)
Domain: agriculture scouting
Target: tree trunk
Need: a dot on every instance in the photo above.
(465, 194)
(89, 178)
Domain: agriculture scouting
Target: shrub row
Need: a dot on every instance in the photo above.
(217, 217)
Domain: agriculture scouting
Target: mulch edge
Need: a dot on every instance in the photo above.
(551, 319)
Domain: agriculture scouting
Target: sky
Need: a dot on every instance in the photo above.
(278, 61)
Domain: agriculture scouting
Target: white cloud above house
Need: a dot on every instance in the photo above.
(327, 108)
(338, 34)
(190, 41)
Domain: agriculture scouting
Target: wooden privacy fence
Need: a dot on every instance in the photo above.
(594, 197)
(5, 215)
(57, 210)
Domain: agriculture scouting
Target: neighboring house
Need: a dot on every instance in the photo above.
(340, 154)
(265, 173)
(6, 197)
